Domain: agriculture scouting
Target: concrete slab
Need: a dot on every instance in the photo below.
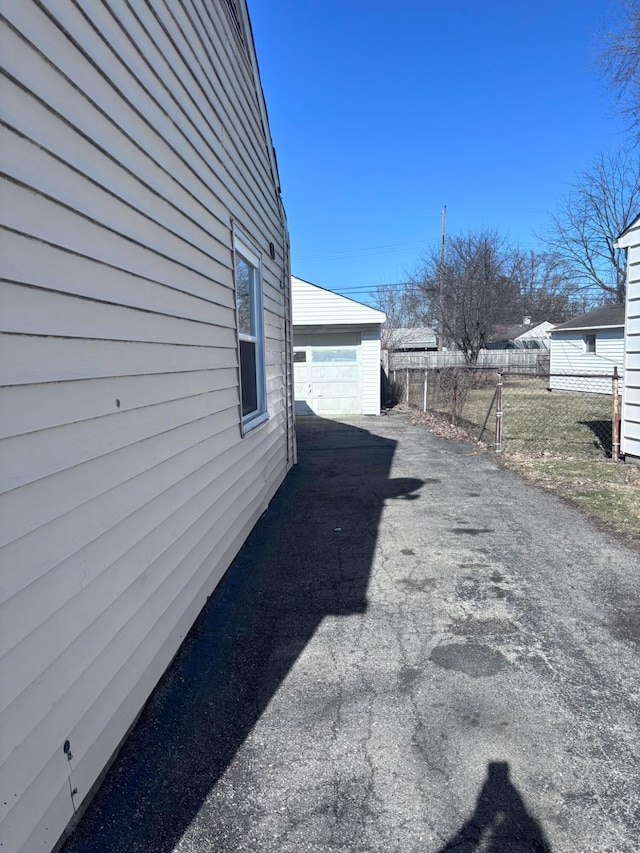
(415, 651)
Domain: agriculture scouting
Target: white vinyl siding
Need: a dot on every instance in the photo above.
(371, 367)
(630, 433)
(569, 356)
(134, 136)
(315, 306)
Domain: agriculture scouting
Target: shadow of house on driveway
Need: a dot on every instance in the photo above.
(308, 557)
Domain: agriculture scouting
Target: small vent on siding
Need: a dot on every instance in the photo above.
(233, 11)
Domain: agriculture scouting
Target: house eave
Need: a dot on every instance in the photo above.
(623, 241)
(332, 327)
(587, 328)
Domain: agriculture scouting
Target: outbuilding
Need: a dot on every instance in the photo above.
(630, 432)
(585, 350)
(336, 353)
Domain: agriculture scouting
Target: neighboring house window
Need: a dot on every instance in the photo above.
(248, 279)
(590, 342)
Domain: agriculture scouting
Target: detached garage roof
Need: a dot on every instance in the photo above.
(605, 317)
(315, 306)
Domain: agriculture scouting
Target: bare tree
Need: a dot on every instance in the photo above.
(405, 307)
(472, 291)
(620, 60)
(601, 203)
(546, 287)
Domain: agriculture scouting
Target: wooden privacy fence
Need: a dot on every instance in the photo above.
(523, 361)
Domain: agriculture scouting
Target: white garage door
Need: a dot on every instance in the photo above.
(327, 381)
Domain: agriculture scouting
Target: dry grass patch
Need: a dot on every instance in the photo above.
(609, 493)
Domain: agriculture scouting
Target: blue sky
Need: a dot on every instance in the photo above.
(383, 111)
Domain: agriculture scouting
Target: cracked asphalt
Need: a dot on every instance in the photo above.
(415, 651)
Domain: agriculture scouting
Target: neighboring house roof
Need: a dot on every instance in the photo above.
(316, 306)
(605, 317)
(512, 333)
(418, 337)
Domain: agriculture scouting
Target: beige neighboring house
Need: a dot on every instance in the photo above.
(336, 343)
(146, 414)
(630, 432)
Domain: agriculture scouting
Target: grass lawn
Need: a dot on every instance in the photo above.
(536, 419)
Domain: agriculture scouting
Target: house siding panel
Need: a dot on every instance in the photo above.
(630, 432)
(133, 139)
(314, 306)
(371, 367)
(568, 357)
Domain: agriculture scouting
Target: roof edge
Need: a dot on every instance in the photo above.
(342, 296)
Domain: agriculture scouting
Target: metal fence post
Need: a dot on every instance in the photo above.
(486, 419)
(424, 393)
(499, 414)
(407, 386)
(615, 423)
(454, 402)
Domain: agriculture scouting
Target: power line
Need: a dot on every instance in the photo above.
(371, 288)
(365, 252)
(376, 286)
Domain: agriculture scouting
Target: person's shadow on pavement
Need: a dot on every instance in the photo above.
(500, 821)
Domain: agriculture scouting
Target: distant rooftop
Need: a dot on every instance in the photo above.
(418, 337)
(605, 316)
(512, 333)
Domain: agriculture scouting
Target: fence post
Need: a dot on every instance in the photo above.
(499, 414)
(486, 419)
(424, 393)
(615, 423)
(454, 402)
(407, 386)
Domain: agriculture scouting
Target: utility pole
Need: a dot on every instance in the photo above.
(441, 281)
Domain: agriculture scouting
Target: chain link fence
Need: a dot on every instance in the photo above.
(513, 411)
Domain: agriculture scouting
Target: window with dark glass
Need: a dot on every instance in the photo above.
(250, 333)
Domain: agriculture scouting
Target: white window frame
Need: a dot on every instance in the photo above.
(587, 336)
(245, 250)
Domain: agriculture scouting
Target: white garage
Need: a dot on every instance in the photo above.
(336, 353)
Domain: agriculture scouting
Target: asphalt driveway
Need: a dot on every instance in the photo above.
(415, 652)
